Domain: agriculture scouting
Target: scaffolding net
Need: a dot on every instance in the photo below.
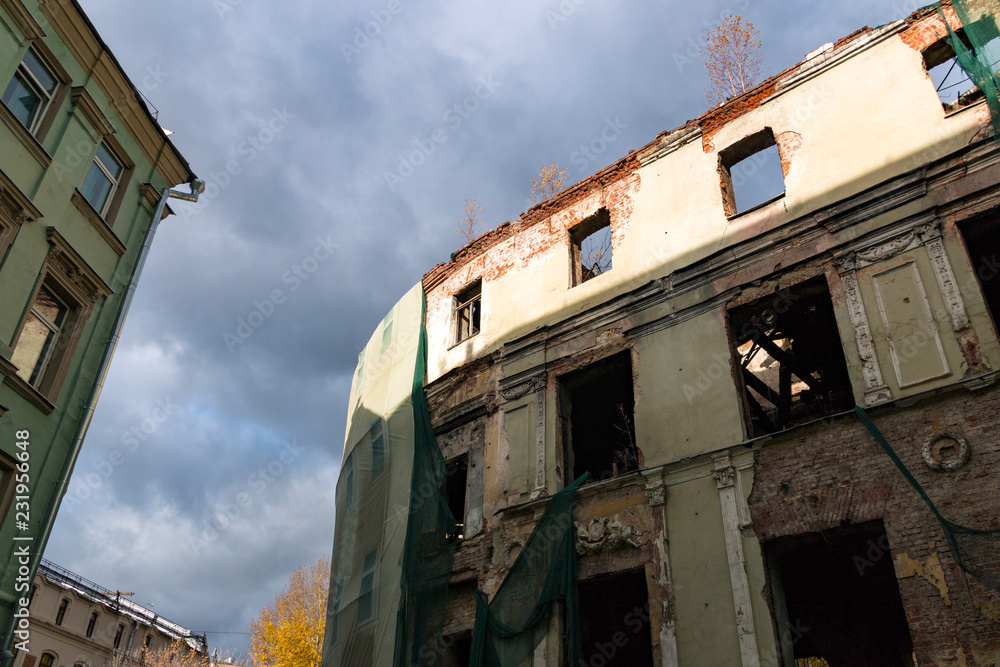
(976, 44)
(976, 551)
(514, 623)
(394, 538)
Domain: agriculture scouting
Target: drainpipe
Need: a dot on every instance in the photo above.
(197, 187)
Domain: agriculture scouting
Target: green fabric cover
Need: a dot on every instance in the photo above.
(508, 628)
(976, 551)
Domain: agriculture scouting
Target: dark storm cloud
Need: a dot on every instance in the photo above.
(155, 504)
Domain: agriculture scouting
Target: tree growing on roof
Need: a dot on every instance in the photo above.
(732, 58)
(289, 632)
(469, 225)
(550, 182)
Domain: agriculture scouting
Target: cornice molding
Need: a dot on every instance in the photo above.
(76, 32)
(75, 268)
(83, 101)
(12, 197)
(23, 18)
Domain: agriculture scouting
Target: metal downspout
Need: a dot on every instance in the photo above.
(197, 187)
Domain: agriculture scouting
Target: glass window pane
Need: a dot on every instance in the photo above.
(39, 71)
(96, 188)
(29, 355)
(21, 99)
(109, 161)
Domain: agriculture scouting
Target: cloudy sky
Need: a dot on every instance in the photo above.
(339, 141)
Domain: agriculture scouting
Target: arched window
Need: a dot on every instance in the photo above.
(118, 635)
(34, 589)
(61, 614)
(92, 624)
(149, 638)
(47, 660)
(80, 664)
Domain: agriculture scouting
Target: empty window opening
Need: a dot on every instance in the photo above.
(92, 624)
(952, 83)
(590, 243)
(468, 311)
(751, 173)
(614, 620)
(599, 410)
(837, 599)
(791, 361)
(982, 242)
(456, 480)
(118, 636)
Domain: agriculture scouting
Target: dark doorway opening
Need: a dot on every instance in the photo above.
(599, 407)
(982, 242)
(838, 599)
(614, 620)
(457, 651)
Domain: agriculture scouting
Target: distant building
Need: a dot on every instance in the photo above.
(696, 339)
(77, 623)
(83, 167)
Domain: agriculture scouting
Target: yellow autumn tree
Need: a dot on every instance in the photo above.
(289, 632)
(549, 183)
(732, 58)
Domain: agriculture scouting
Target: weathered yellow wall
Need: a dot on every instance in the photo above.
(706, 621)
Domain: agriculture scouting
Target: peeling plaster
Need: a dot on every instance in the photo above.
(930, 570)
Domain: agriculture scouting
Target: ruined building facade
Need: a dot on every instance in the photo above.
(739, 512)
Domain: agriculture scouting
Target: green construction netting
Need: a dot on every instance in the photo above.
(392, 554)
(509, 627)
(976, 551)
(978, 54)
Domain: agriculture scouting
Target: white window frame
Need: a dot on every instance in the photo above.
(37, 372)
(38, 89)
(115, 182)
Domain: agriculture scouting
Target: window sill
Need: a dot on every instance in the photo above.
(757, 207)
(27, 139)
(99, 223)
(26, 391)
(464, 340)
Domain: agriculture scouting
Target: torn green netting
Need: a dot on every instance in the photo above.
(976, 551)
(516, 621)
(392, 556)
(978, 54)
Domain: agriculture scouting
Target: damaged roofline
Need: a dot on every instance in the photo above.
(703, 126)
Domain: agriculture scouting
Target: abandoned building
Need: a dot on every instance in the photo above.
(695, 392)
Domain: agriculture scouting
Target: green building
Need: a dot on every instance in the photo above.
(84, 171)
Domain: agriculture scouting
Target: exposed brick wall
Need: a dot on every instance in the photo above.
(833, 474)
